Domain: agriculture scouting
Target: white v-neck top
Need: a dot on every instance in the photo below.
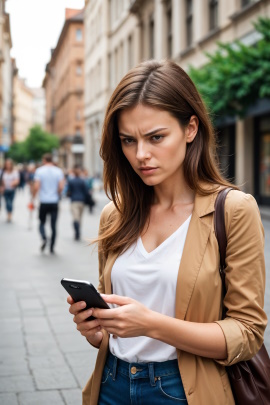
(150, 278)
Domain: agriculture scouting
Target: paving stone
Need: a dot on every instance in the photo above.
(39, 344)
(83, 374)
(72, 342)
(82, 359)
(11, 325)
(72, 397)
(30, 303)
(46, 361)
(13, 366)
(63, 328)
(54, 378)
(34, 312)
(12, 340)
(14, 353)
(8, 399)
(41, 398)
(36, 324)
(17, 383)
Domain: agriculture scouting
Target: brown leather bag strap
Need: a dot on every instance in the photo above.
(220, 231)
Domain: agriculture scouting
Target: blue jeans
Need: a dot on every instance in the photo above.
(141, 383)
(9, 197)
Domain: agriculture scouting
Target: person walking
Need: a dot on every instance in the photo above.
(9, 180)
(78, 193)
(49, 183)
(164, 341)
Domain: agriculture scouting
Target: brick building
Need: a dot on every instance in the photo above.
(64, 89)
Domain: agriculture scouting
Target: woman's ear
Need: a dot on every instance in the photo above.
(192, 128)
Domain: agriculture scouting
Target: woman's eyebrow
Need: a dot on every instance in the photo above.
(147, 134)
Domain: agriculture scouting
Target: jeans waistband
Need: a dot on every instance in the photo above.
(151, 370)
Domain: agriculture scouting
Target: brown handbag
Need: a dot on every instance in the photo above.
(250, 379)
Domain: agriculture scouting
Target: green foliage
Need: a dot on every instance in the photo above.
(36, 144)
(17, 152)
(39, 142)
(236, 75)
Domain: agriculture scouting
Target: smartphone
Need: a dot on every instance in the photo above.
(81, 290)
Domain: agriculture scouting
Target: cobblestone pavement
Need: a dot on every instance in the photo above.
(43, 359)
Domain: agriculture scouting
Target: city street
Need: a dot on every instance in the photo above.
(43, 359)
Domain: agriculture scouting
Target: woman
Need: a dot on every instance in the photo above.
(10, 180)
(164, 341)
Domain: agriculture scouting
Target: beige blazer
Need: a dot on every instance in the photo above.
(199, 295)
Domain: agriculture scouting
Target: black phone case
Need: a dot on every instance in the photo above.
(84, 291)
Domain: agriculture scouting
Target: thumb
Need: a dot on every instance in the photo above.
(116, 299)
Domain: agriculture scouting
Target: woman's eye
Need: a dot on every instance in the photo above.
(157, 138)
(127, 141)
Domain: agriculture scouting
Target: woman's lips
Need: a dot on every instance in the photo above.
(147, 170)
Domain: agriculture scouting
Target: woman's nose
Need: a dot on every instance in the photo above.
(142, 151)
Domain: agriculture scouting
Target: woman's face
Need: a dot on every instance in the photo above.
(154, 143)
(8, 165)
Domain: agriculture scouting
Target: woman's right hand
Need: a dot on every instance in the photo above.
(90, 329)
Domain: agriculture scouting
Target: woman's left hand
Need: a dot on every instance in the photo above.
(130, 319)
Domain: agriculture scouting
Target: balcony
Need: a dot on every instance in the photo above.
(135, 6)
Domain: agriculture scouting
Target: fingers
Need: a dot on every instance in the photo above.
(116, 299)
(82, 316)
(70, 300)
(92, 326)
(77, 307)
(104, 313)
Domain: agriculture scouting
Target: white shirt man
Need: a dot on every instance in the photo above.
(49, 182)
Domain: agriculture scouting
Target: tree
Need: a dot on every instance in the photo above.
(17, 152)
(236, 75)
(36, 144)
(39, 142)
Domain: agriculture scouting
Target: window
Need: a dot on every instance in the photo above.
(116, 74)
(78, 35)
(78, 69)
(130, 52)
(189, 22)
(151, 37)
(78, 131)
(169, 28)
(78, 115)
(245, 3)
(213, 14)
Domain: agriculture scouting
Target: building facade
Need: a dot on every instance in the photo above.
(39, 107)
(23, 118)
(6, 79)
(183, 30)
(64, 89)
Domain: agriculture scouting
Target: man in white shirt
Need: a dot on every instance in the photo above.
(49, 182)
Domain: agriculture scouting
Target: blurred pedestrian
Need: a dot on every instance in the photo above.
(30, 181)
(89, 181)
(10, 180)
(78, 193)
(49, 183)
(22, 175)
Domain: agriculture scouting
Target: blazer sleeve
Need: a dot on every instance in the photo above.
(245, 320)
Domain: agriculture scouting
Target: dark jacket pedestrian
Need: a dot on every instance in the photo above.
(78, 193)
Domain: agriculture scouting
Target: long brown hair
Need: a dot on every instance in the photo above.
(164, 85)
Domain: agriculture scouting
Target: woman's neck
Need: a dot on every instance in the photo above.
(171, 193)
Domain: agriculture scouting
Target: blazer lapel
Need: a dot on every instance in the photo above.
(107, 272)
(193, 252)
